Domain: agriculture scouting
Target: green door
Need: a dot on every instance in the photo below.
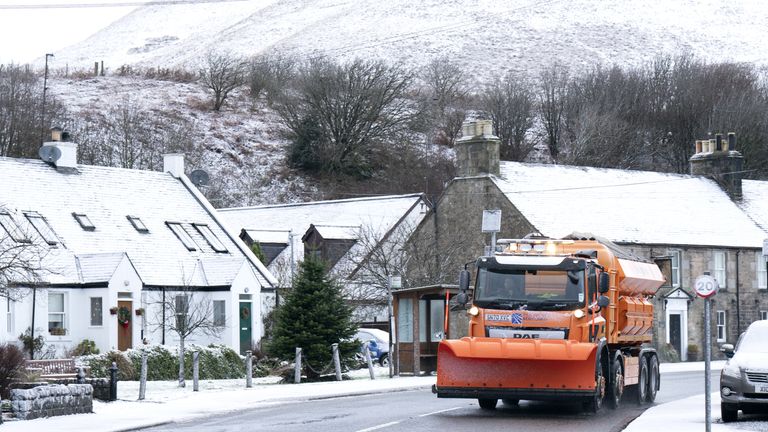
(245, 327)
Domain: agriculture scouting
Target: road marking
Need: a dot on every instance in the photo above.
(441, 411)
(381, 426)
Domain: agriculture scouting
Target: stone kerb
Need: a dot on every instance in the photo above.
(51, 400)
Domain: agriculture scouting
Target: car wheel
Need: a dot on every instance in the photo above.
(384, 360)
(728, 412)
(653, 378)
(487, 404)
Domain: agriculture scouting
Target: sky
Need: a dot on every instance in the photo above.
(31, 28)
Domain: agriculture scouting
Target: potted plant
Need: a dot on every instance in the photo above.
(113, 310)
(57, 331)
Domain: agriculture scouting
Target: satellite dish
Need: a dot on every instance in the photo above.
(199, 177)
(49, 153)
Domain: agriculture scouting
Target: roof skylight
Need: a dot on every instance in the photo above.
(84, 222)
(13, 230)
(42, 227)
(183, 235)
(210, 237)
(138, 224)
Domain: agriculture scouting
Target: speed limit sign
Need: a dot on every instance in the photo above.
(705, 286)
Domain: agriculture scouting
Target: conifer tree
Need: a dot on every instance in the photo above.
(313, 317)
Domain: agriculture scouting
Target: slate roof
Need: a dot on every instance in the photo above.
(635, 207)
(334, 218)
(107, 196)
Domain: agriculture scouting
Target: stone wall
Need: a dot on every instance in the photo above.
(100, 386)
(51, 400)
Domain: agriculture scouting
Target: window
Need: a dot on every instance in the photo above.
(84, 222)
(138, 224)
(210, 237)
(181, 309)
(183, 235)
(676, 266)
(405, 320)
(13, 230)
(96, 312)
(219, 313)
(719, 268)
(9, 315)
(42, 227)
(763, 315)
(721, 326)
(762, 277)
(56, 314)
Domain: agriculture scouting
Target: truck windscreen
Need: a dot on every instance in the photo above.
(529, 289)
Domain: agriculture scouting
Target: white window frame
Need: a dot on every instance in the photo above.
(762, 276)
(722, 322)
(676, 269)
(9, 309)
(101, 312)
(63, 313)
(719, 269)
(220, 313)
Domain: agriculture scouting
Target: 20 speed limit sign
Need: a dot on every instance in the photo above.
(705, 286)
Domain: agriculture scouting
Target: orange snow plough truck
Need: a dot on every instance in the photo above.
(555, 320)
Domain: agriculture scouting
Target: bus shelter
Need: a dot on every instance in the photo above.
(420, 322)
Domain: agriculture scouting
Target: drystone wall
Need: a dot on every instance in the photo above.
(51, 400)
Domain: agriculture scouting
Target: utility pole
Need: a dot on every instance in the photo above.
(45, 90)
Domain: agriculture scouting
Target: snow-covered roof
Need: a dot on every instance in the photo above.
(268, 236)
(108, 196)
(372, 217)
(755, 201)
(638, 207)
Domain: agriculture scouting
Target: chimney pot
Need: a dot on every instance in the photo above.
(731, 141)
(174, 163)
(719, 142)
(698, 146)
(477, 151)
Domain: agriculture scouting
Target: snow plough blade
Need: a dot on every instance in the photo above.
(515, 369)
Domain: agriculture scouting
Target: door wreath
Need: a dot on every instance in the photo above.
(124, 316)
(245, 313)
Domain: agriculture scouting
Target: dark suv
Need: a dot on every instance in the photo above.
(744, 379)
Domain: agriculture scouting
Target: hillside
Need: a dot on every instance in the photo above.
(484, 37)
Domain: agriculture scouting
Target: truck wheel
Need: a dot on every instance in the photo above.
(641, 392)
(594, 403)
(616, 384)
(728, 412)
(653, 378)
(488, 404)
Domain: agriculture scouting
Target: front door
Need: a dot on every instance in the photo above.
(245, 327)
(674, 333)
(124, 325)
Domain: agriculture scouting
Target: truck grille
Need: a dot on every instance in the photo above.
(759, 377)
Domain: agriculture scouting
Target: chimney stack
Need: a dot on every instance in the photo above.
(477, 151)
(59, 151)
(719, 160)
(174, 163)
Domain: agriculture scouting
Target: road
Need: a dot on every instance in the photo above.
(421, 410)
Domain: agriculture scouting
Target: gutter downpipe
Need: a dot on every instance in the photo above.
(738, 299)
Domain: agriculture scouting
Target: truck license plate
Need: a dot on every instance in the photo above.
(761, 388)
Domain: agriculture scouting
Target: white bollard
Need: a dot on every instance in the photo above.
(368, 360)
(195, 370)
(143, 378)
(297, 367)
(336, 361)
(248, 369)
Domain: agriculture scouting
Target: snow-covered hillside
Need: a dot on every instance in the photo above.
(486, 37)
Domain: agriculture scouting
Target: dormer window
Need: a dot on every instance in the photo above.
(183, 235)
(42, 227)
(84, 222)
(13, 230)
(210, 237)
(138, 224)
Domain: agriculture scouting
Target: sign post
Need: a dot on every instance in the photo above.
(492, 224)
(393, 282)
(706, 286)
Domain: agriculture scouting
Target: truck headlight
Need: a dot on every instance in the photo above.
(578, 313)
(473, 311)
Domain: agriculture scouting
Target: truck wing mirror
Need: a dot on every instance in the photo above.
(605, 283)
(464, 280)
(462, 298)
(603, 301)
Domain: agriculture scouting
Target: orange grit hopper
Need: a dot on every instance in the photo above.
(555, 320)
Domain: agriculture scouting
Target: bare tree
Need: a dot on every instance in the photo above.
(21, 259)
(269, 73)
(222, 73)
(185, 312)
(340, 116)
(510, 104)
(552, 97)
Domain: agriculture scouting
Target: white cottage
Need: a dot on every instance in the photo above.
(109, 245)
(344, 233)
